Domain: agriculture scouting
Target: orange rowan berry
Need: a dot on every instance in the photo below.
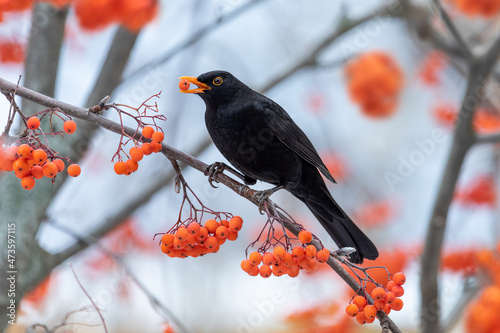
(310, 252)
(69, 126)
(361, 318)
(390, 284)
(211, 242)
(211, 225)
(221, 232)
(20, 164)
(194, 228)
(165, 249)
(136, 153)
(289, 259)
(235, 223)
(293, 272)
(74, 170)
(246, 265)
(397, 304)
(24, 151)
(352, 310)
(379, 305)
(255, 258)
(322, 255)
(268, 259)
(232, 235)
(158, 137)
(202, 234)
(132, 165)
(220, 241)
(398, 290)
(147, 132)
(279, 253)
(167, 239)
(49, 169)
(33, 123)
(279, 270)
(224, 223)
(182, 233)
(191, 241)
(11, 153)
(22, 174)
(370, 311)
(184, 84)
(389, 297)
(387, 308)
(28, 183)
(179, 244)
(39, 156)
(360, 301)
(399, 278)
(59, 163)
(156, 146)
(305, 237)
(302, 262)
(254, 271)
(147, 148)
(378, 293)
(298, 252)
(265, 271)
(37, 172)
(311, 265)
(120, 168)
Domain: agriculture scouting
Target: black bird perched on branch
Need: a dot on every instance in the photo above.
(260, 139)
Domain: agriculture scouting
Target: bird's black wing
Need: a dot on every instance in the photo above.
(288, 132)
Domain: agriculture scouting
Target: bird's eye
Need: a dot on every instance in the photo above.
(217, 81)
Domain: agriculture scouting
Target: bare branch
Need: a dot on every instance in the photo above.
(91, 300)
(166, 314)
(453, 30)
(192, 39)
(463, 139)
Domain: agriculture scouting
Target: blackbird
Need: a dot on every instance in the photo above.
(260, 139)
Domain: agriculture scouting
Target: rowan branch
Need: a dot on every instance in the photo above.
(480, 68)
(173, 153)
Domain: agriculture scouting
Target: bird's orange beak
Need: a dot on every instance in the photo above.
(201, 86)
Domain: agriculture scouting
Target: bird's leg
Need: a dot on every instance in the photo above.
(262, 196)
(217, 167)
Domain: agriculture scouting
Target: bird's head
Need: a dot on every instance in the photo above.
(215, 86)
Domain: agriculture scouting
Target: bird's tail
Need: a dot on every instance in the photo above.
(314, 193)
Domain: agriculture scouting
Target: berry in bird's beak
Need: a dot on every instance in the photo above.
(184, 85)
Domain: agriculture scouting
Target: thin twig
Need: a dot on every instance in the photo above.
(90, 299)
(453, 30)
(166, 314)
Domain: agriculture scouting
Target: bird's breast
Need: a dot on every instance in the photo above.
(251, 146)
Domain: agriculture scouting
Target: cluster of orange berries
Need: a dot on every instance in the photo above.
(484, 8)
(30, 162)
(195, 240)
(432, 65)
(374, 81)
(98, 14)
(481, 191)
(385, 299)
(484, 122)
(280, 262)
(481, 315)
(137, 153)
